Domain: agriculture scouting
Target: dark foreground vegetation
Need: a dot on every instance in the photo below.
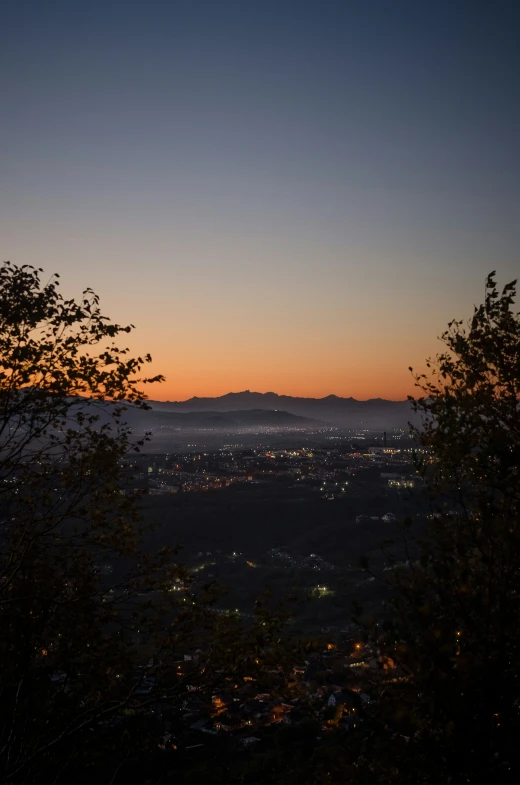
(123, 661)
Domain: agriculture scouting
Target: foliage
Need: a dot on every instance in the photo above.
(64, 519)
(94, 630)
(452, 712)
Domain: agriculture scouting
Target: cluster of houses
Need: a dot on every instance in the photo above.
(326, 687)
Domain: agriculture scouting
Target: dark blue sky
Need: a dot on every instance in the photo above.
(288, 163)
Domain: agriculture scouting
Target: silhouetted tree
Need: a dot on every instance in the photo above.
(64, 516)
(451, 711)
(91, 630)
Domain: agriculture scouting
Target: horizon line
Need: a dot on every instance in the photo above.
(280, 395)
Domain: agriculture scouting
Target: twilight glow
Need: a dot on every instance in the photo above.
(287, 196)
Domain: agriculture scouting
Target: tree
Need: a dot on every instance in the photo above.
(453, 712)
(94, 629)
(64, 517)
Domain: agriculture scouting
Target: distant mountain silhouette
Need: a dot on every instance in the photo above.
(345, 412)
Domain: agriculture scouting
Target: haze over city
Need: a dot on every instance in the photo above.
(287, 196)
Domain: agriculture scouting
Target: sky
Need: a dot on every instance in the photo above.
(286, 196)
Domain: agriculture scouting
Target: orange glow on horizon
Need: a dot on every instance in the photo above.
(305, 371)
(184, 383)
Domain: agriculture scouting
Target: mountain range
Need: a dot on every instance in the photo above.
(344, 412)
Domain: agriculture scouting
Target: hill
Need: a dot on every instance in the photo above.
(152, 419)
(229, 420)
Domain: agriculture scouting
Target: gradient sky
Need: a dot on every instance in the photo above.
(288, 196)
